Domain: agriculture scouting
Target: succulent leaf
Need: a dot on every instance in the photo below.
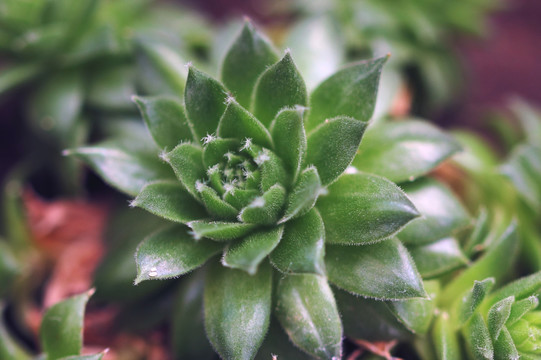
(237, 310)
(333, 145)
(383, 271)
(520, 308)
(187, 162)
(280, 86)
(445, 339)
(165, 119)
(205, 102)
(219, 230)
(247, 253)
(265, 210)
(404, 150)
(290, 139)
(504, 347)
(478, 338)
(498, 316)
(169, 199)
(307, 311)
(362, 208)
(304, 194)
(302, 247)
(349, 92)
(246, 59)
(438, 258)
(216, 207)
(172, 252)
(473, 298)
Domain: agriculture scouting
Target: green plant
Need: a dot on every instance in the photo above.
(61, 333)
(273, 192)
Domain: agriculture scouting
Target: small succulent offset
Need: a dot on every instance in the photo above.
(257, 170)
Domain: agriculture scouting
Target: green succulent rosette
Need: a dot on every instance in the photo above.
(255, 176)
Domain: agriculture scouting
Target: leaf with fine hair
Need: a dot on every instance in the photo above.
(383, 271)
(304, 194)
(237, 310)
(362, 208)
(280, 86)
(307, 311)
(172, 252)
(219, 230)
(478, 337)
(266, 209)
(187, 162)
(438, 258)
(290, 139)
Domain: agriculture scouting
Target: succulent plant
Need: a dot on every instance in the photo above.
(271, 190)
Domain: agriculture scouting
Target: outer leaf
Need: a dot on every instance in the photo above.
(362, 208)
(187, 163)
(333, 145)
(61, 329)
(478, 338)
(279, 86)
(308, 313)
(219, 230)
(165, 119)
(404, 150)
(247, 253)
(172, 252)
(417, 314)
(169, 200)
(350, 92)
(205, 102)
(188, 337)
(521, 288)
(302, 247)
(277, 344)
(498, 315)
(445, 339)
(304, 194)
(246, 59)
(382, 271)
(111, 88)
(122, 168)
(238, 123)
(290, 139)
(442, 213)
(368, 319)
(495, 263)
(523, 169)
(520, 308)
(472, 299)
(438, 258)
(164, 66)
(237, 310)
(265, 210)
(504, 347)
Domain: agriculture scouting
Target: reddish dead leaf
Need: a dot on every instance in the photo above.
(380, 348)
(68, 233)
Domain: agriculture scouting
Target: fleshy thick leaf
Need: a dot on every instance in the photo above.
(472, 299)
(166, 120)
(219, 230)
(169, 200)
(247, 253)
(504, 347)
(443, 214)
(520, 308)
(362, 208)
(494, 263)
(521, 288)
(478, 338)
(333, 145)
(382, 271)
(204, 99)
(280, 86)
(237, 310)
(498, 315)
(438, 258)
(417, 314)
(349, 92)
(245, 60)
(61, 329)
(172, 252)
(445, 339)
(290, 139)
(216, 207)
(126, 170)
(404, 150)
(187, 162)
(302, 247)
(278, 344)
(238, 123)
(216, 149)
(266, 209)
(307, 311)
(272, 170)
(188, 337)
(304, 194)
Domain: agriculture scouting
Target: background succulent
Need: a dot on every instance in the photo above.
(266, 184)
